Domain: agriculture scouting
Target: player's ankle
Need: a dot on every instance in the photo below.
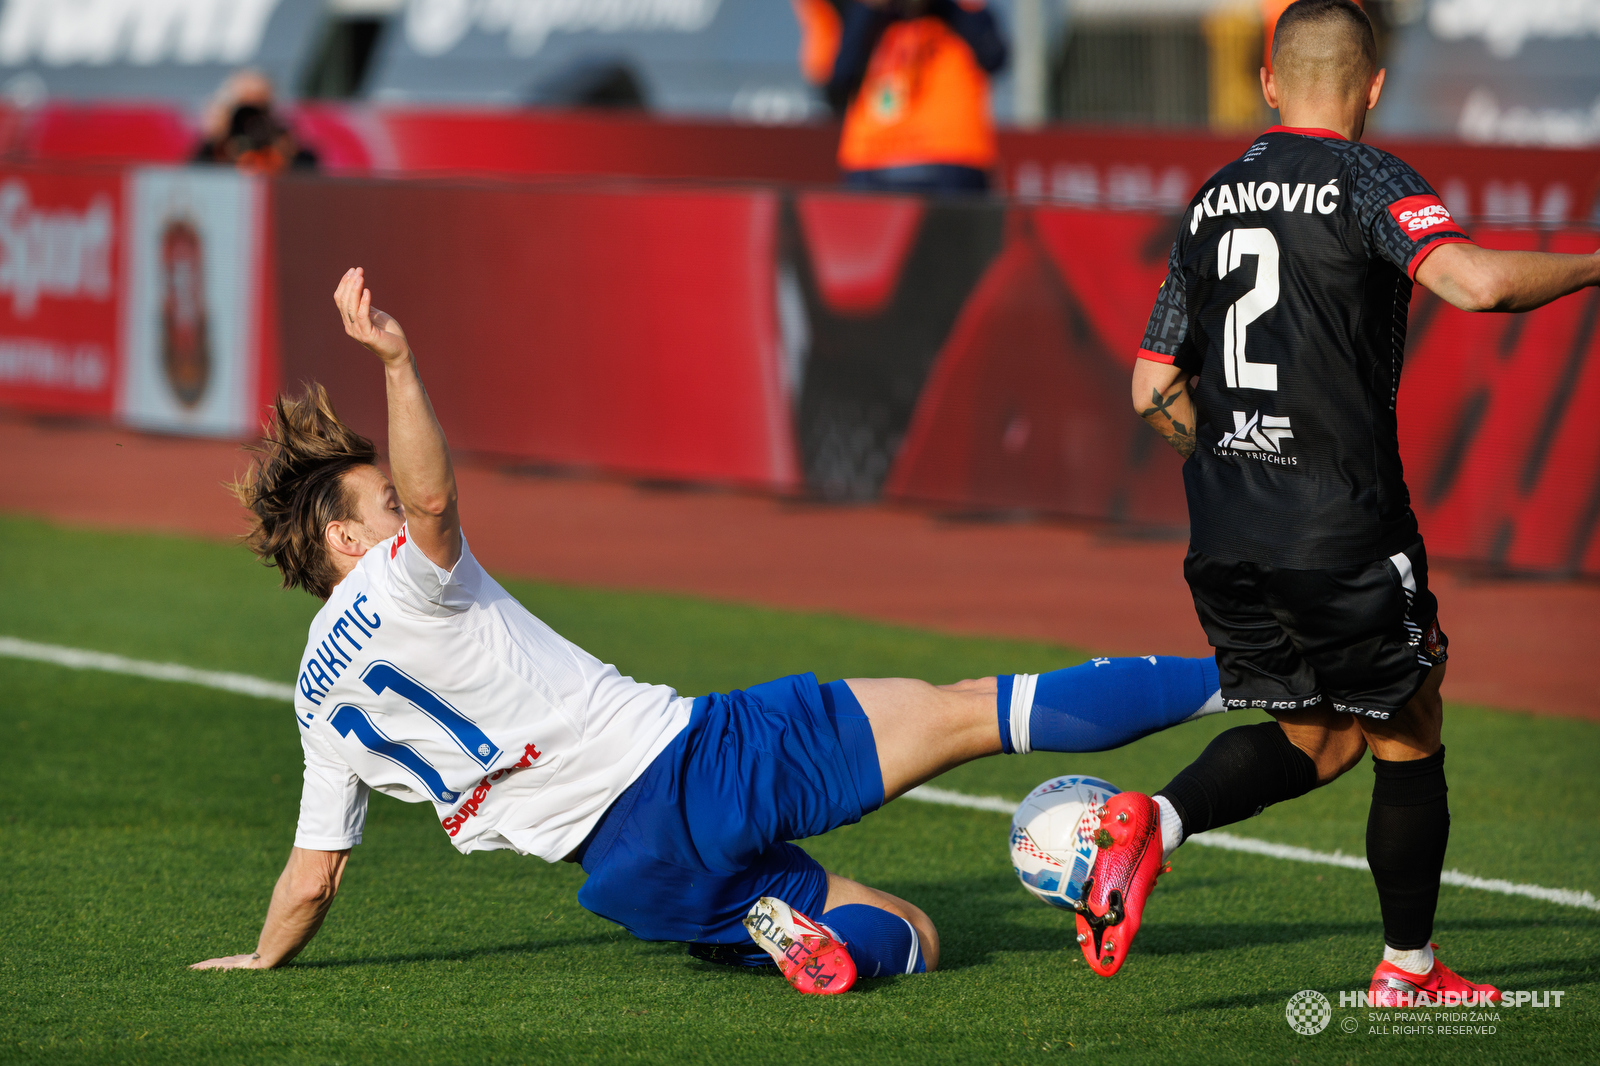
(1417, 961)
(1171, 826)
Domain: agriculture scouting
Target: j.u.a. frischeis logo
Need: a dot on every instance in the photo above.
(1261, 436)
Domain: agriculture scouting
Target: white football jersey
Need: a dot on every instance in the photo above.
(438, 686)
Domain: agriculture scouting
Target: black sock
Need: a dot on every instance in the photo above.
(1240, 774)
(1406, 836)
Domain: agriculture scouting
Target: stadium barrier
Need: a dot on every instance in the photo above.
(1081, 166)
(969, 356)
(142, 294)
(587, 327)
(61, 239)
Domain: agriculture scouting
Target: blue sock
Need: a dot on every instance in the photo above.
(1104, 703)
(881, 943)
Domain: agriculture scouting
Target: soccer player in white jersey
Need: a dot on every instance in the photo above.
(423, 679)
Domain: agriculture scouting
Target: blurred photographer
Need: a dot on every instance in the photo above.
(912, 78)
(243, 131)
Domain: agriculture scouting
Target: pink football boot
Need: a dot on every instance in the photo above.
(810, 957)
(1124, 872)
(1393, 987)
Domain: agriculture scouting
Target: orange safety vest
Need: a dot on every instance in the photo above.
(924, 100)
(820, 29)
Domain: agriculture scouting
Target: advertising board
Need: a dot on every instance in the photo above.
(191, 336)
(59, 287)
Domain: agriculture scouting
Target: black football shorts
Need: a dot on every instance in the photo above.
(1361, 637)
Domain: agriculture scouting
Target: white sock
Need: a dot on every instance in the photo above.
(1171, 827)
(1419, 962)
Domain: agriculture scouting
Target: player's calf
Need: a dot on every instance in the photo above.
(825, 957)
(1333, 741)
(921, 731)
(895, 920)
(1413, 732)
(882, 943)
(1240, 774)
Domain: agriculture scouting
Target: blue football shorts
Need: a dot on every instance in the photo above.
(689, 847)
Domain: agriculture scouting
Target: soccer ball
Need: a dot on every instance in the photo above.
(1052, 836)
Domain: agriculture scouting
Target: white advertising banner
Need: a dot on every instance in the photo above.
(172, 50)
(191, 339)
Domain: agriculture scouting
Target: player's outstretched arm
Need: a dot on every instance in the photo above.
(1161, 396)
(300, 902)
(1485, 279)
(419, 456)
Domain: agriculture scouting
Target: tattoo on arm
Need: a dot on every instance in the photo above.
(1182, 440)
(1181, 437)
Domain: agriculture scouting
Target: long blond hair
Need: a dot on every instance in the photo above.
(295, 487)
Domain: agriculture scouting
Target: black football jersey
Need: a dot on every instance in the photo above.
(1287, 294)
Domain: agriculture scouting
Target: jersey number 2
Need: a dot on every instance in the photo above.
(1239, 371)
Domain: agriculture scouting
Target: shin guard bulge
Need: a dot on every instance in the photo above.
(1104, 703)
(881, 942)
(1407, 831)
(1240, 774)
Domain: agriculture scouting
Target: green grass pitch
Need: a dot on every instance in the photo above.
(144, 823)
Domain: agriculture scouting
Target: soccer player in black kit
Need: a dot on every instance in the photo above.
(1272, 363)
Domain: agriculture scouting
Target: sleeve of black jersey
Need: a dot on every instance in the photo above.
(1166, 336)
(1402, 217)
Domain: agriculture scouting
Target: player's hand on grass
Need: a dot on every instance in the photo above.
(376, 330)
(251, 961)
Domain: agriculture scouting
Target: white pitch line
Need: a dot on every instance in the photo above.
(946, 798)
(79, 659)
(1228, 842)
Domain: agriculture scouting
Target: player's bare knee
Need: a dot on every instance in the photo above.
(1414, 733)
(927, 932)
(928, 935)
(983, 686)
(1340, 755)
(1332, 741)
(1426, 713)
(842, 891)
(1333, 762)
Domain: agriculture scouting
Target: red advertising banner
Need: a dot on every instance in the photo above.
(1027, 407)
(974, 355)
(60, 265)
(629, 332)
(433, 141)
(1144, 169)
(1501, 463)
(969, 356)
(101, 133)
(1081, 166)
